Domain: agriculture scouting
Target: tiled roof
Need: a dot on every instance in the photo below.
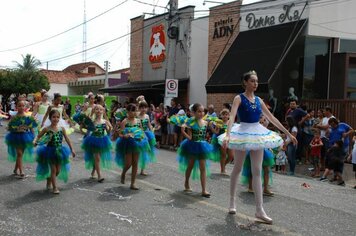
(81, 66)
(59, 77)
(125, 70)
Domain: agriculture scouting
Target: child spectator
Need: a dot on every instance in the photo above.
(77, 106)
(157, 126)
(281, 157)
(315, 152)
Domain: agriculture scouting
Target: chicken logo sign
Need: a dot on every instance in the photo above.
(157, 46)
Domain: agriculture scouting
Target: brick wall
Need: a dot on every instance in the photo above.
(216, 46)
(218, 99)
(136, 49)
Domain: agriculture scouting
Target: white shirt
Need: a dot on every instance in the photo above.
(294, 129)
(13, 105)
(354, 154)
(325, 121)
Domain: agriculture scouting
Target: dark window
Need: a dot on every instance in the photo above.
(91, 70)
(347, 45)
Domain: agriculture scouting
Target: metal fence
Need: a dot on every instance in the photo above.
(344, 110)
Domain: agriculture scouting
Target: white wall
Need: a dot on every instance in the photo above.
(58, 88)
(333, 19)
(199, 61)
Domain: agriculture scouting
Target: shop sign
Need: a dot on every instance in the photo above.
(288, 14)
(223, 28)
(157, 46)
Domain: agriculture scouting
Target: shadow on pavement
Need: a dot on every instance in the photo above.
(182, 200)
(119, 193)
(249, 198)
(31, 197)
(8, 179)
(83, 183)
(233, 227)
(218, 176)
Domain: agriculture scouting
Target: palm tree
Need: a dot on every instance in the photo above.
(29, 63)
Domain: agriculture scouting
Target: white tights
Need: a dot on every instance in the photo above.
(256, 168)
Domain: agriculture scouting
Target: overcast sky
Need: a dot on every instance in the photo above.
(24, 22)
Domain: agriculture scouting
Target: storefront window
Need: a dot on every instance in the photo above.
(347, 45)
(351, 84)
(315, 51)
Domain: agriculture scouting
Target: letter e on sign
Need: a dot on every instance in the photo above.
(171, 89)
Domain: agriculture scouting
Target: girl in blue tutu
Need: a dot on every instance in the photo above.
(250, 136)
(97, 145)
(226, 154)
(195, 151)
(53, 157)
(19, 140)
(132, 147)
(148, 129)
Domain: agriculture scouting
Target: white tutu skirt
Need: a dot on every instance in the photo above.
(251, 136)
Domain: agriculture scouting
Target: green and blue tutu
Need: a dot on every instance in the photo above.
(52, 155)
(20, 140)
(97, 144)
(195, 150)
(84, 120)
(268, 160)
(152, 142)
(216, 148)
(137, 144)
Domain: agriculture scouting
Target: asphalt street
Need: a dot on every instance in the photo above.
(160, 207)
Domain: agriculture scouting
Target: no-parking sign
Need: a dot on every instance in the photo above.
(171, 90)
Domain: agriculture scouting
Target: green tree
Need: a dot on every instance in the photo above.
(23, 80)
(29, 63)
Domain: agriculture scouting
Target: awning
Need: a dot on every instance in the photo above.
(258, 50)
(138, 86)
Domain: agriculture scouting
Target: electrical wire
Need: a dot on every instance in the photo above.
(102, 44)
(325, 3)
(66, 31)
(150, 4)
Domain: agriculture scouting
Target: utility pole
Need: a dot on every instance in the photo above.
(172, 33)
(84, 55)
(106, 66)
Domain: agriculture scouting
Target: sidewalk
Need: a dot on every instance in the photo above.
(348, 175)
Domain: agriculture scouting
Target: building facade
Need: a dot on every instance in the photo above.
(93, 83)
(298, 48)
(159, 51)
